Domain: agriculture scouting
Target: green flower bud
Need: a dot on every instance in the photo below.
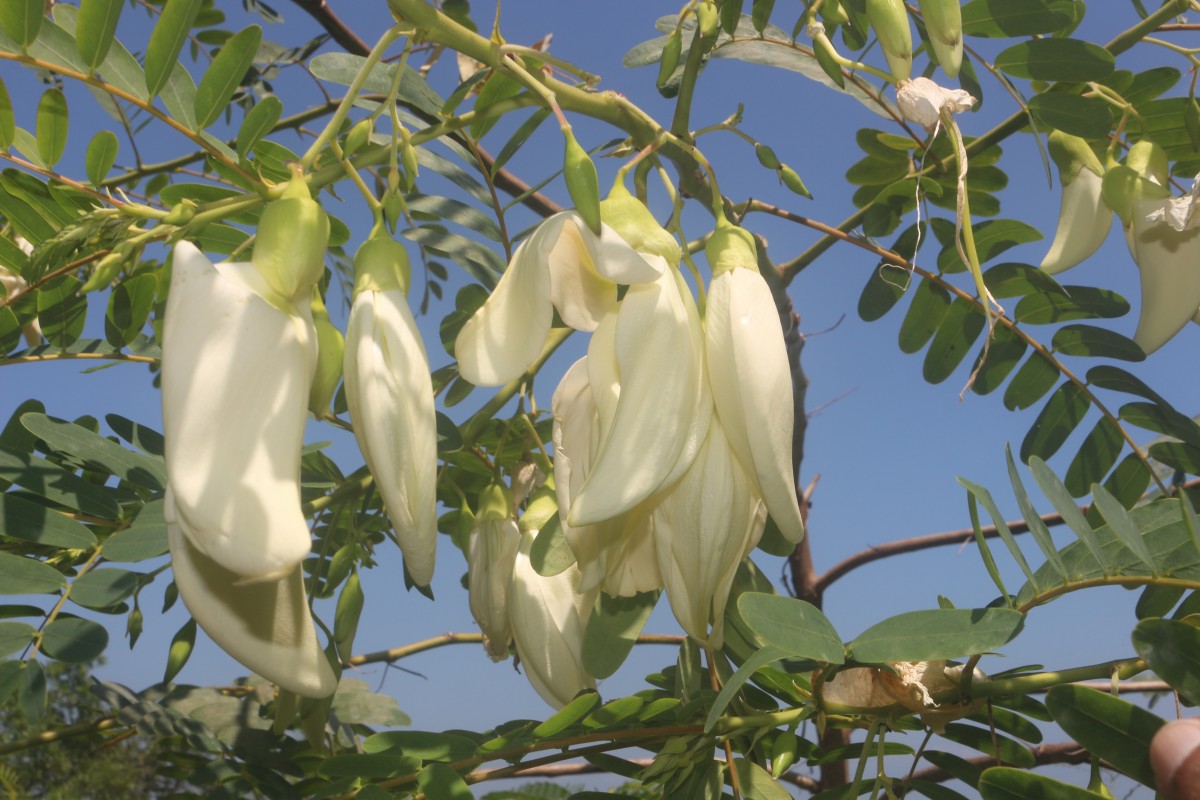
(345, 619)
(330, 348)
(582, 182)
(789, 178)
(289, 248)
(766, 156)
(943, 23)
(783, 753)
(1143, 176)
(408, 160)
(181, 213)
(542, 505)
(625, 214)
(889, 19)
(1150, 161)
(833, 13)
(106, 270)
(180, 650)
(730, 247)
(393, 207)
(381, 264)
(670, 57)
(495, 503)
(708, 22)
(358, 136)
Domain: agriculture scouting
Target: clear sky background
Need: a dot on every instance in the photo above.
(887, 446)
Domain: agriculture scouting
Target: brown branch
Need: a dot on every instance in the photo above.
(1061, 753)
(320, 11)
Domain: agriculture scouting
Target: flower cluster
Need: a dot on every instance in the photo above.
(672, 436)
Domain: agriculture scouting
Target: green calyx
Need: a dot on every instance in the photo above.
(381, 265)
(582, 182)
(730, 247)
(495, 503)
(330, 347)
(542, 505)
(1072, 154)
(634, 223)
(289, 246)
(1143, 176)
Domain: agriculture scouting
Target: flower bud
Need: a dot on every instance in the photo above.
(330, 349)
(1084, 219)
(766, 156)
(943, 23)
(889, 20)
(670, 57)
(708, 22)
(491, 554)
(289, 247)
(181, 213)
(1143, 176)
(582, 181)
(345, 618)
(358, 136)
(789, 178)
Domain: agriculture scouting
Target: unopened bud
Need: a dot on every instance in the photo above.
(330, 348)
(289, 247)
(789, 178)
(582, 181)
(889, 20)
(670, 57)
(181, 213)
(766, 156)
(358, 136)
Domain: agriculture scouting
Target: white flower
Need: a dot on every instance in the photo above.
(1084, 218)
(236, 370)
(549, 618)
(563, 266)
(1168, 258)
(703, 528)
(14, 283)
(390, 396)
(266, 625)
(491, 553)
(922, 101)
(749, 375)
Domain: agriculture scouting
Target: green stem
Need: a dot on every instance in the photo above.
(1123, 668)
(335, 122)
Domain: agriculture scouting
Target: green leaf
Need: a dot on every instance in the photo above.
(1008, 722)
(1110, 728)
(57, 485)
(8, 123)
(13, 637)
(180, 650)
(928, 308)
(98, 451)
(179, 96)
(985, 552)
(368, 766)
(146, 439)
(1062, 413)
(104, 588)
(1177, 455)
(52, 126)
(1129, 481)
(225, 74)
(431, 208)
(884, 289)
(440, 782)
(1007, 750)
(761, 658)
(614, 712)
(1006, 783)
(1037, 528)
(613, 629)
(31, 690)
(32, 522)
(21, 20)
(145, 539)
(1172, 649)
(936, 634)
(756, 783)
(74, 640)
(1118, 380)
(357, 704)
(550, 553)
(129, 307)
(518, 139)
(1088, 340)
(959, 329)
(985, 498)
(1011, 279)
(61, 311)
(498, 87)
(1012, 18)
(794, 626)
(20, 575)
(1163, 419)
(956, 766)
(1035, 377)
(1085, 117)
(166, 42)
(425, 745)
(1005, 352)
(992, 237)
(1073, 302)
(343, 68)
(570, 714)
(1096, 456)
(1056, 492)
(1120, 523)
(101, 155)
(97, 25)
(258, 123)
(1072, 60)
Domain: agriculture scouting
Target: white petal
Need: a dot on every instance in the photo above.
(580, 294)
(549, 617)
(390, 396)
(661, 375)
(235, 377)
(265, 625)
(703, 528)
(1169, 261)
(752, 388)
(1083, 223)
(491, 553)
(507, 333)
(620, 263)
